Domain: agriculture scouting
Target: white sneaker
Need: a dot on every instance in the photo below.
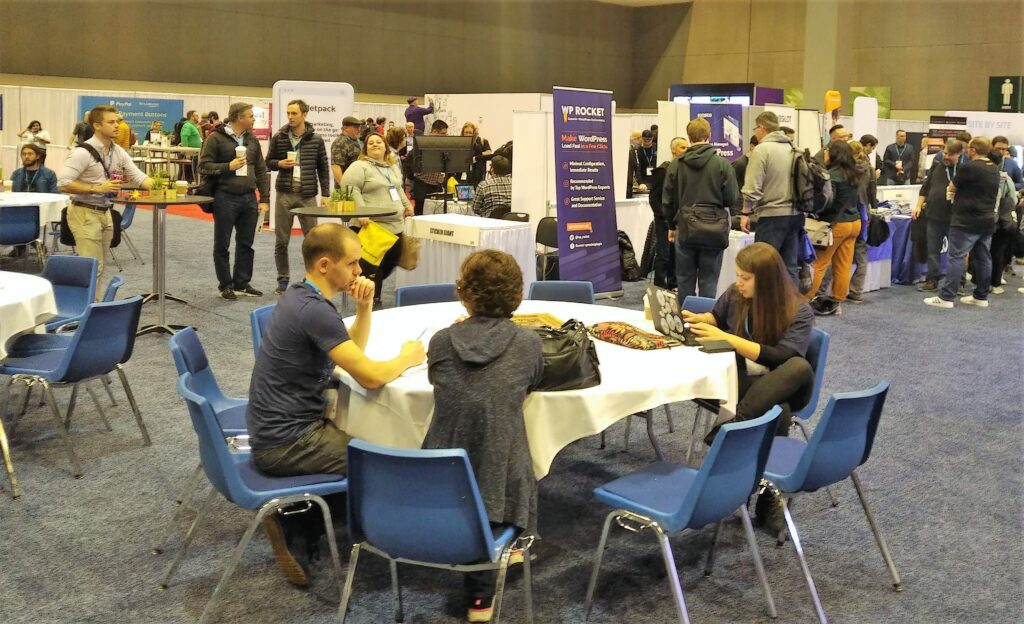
(969, 299)
(1020, 290)
(997, 290)
(938, 302)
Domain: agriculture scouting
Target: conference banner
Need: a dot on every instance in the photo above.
(588, 244)
(726, 122)
(329, 103)
(138, 113)
(941, 128)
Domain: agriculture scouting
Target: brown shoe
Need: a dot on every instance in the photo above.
(292, 564)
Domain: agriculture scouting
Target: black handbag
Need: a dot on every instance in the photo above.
(68, 238)
(703, 226)
(570, 357)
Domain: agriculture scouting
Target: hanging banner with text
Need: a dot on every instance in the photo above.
(726, 122)
(329, 103)
(588, 244)
(138, 113)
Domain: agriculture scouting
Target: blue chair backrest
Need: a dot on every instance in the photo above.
(190, 357)
(105, 337)
(730, 472)
(428, 293)
(817, 356)
(74, 282)
(843, 438)
(217, 461)
(260, 320)
(19, 224)
(562, 290)
(698, 305)
(113, 286)
(127, 215)
(417, 504)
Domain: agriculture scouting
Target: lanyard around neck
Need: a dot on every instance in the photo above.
(315, 288)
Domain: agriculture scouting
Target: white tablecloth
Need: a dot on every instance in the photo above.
(439, 261)
(634, 217)
(25, 302)
(631, 381)
(727, 276)
(436, 206)
(50, 204)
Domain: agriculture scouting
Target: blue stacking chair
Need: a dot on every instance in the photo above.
(102, 344)
(260, 319)
(841, 442)
(74, 286)
(562, 290)
(19, 225)
(422, 507)
(671, 498)
(427, 293)
(127, 217)
(698, 305)
(235, 477)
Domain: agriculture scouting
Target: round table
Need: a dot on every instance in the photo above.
(632, 381)
(25, 302)
(50, 206)
(159, 254)
(344, 216)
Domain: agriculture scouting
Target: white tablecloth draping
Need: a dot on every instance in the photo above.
(634, 217)
(727, 276)
(50, 204)
(25, 302)
(440, 261)
(436, 206)
(631, 381)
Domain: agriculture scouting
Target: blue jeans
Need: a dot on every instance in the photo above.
(783, 233)
(697, 270)
(664, 256)
(962, 243)
(937, 230)
(238, 213)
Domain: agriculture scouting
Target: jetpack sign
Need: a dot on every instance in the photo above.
(588, 247)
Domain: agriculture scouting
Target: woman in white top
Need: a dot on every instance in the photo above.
(376, 183)
(35, 135)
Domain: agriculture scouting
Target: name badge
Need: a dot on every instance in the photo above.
(394, 194)
(650, 171)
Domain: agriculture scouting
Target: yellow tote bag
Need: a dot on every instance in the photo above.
(376, 241)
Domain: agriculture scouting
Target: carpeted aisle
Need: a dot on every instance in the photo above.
(945, 481)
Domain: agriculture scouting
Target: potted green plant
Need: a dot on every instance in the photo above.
(159, 188)
(342, 199)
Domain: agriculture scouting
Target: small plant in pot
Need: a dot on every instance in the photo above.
(159, 188)
(342, 199)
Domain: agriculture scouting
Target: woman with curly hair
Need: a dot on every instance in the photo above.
(482, 369)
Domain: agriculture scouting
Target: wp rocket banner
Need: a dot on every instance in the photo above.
(588, 247)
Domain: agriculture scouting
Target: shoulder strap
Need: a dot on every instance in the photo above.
(96, 155)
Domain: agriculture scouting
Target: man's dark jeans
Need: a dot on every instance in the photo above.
(664, 256)
(783, 233)
(937, 231)
(697, 271)
(237, 212)
(962, 243)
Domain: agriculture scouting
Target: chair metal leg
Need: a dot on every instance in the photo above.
(673, 575)
(649, 416)
(803, 562)
(603, 442)
(190, 485)
(331, 541)
(172, 525)
(72, 402)
(710, 563)
(236, 556)
(99, 408)
(499, 591)
(668, 417)
(528, 585)
(8, 464)
(113, 257)
(692, 446)
(807, 436)
(135, 406)
(396, 588)
(61, 429)
(187, 540)
(882, 546)
(589, 602)
(629, 423)
(106, 386)
(24, 404)
(346, 593)
(131, 246)
(758, 564)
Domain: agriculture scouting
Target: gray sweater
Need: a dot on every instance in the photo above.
(371, 183)
(482, 369)
(768, 184)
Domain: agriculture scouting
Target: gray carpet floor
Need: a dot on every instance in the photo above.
(945, 479)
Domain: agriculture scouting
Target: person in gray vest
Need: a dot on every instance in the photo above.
(297, 182)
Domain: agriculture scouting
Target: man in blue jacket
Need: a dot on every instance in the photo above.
(415, 114)
(33, 177)
(1002, 145)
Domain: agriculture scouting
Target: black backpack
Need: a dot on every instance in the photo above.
(812, 184)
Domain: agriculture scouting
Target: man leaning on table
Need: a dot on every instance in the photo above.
(290, 431)
(92, 175)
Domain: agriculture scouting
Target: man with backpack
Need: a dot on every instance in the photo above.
(92, 175)
(768, 198)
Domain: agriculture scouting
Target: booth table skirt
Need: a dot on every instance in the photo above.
(439, 261)
(634, 217)
(904, 269)
(25, 302)
(399, 413)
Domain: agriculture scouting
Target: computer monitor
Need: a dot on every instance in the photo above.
(465, 192)
(438, 154)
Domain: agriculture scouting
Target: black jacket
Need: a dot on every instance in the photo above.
(936, 206)
(219, 151)
(739, 166)
(977, 190)
(700, 176)
(312, 162)
(655, 189)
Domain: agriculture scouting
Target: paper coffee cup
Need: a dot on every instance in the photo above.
(181, 186)
(239, 153)
(8, 186)
(293, 155)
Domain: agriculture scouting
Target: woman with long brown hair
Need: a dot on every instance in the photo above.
(769, 325)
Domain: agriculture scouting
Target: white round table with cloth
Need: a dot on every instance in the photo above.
(631, 381)
(50, 204)
(25, 302)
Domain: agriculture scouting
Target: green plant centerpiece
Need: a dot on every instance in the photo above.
(343, 199)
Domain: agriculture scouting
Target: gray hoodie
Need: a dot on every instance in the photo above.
(768, 186)
(482, 369)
